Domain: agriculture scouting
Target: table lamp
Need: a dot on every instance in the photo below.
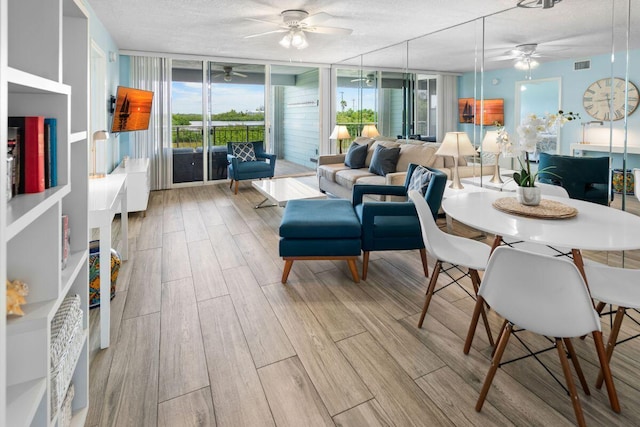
(456, 144)
(490, 145)
(340, 132)
(370, 131)
(99, 135)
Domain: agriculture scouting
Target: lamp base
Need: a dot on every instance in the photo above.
(496, 179)
(455, 181)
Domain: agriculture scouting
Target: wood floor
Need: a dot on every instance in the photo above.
(204, 334)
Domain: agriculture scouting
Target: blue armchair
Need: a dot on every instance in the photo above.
(388, 226)
(263, 167)
(584, 178)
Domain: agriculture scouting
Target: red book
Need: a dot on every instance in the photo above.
(31, 130)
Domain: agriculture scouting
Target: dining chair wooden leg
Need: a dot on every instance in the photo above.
(575, 400)
(365, 264)
(473, 325)
(287, 269)
(430, 288)
(613, 337)
(236, 189)
(425, 266)
(502, 328)
(495, 364)
(475, 280)
(230, 184)
(606, 372)
(576, 365)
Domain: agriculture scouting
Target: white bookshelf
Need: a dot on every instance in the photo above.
(44, 71)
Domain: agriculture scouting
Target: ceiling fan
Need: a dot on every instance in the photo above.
(228, 74)
(524, 56)
(295, 23)
(369, 80)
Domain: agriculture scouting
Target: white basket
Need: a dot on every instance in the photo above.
(67, 337)
(64, 420)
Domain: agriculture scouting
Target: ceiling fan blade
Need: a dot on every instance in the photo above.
(357, 80)
(265, 33)
(235, 73)
(316, 18)
(263, 21)
(329, 30)
(501, 58)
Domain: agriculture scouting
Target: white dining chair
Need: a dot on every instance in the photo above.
(618, 287)
(457, 251)
(550, 299)
(545, 190)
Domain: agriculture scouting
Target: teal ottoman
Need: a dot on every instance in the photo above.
(319, 229)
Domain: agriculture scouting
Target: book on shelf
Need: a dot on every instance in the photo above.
(31, 135)
(51, 133)
(66, 240)
(13, 153)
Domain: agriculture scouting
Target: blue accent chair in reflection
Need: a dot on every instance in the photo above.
(584, 178)
(263, 167)
(388, 226)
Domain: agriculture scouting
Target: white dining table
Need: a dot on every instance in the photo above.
(595, 227)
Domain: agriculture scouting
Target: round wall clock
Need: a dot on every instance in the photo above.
(597, 100)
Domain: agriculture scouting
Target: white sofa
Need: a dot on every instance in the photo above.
(336, 178)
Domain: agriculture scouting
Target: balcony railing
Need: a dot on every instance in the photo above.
(191, 136)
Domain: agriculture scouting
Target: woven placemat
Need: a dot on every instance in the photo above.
(548, 209)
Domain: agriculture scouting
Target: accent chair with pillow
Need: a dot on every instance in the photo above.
(388, 226)
(248, 160)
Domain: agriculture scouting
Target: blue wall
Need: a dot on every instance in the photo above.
(574, 83)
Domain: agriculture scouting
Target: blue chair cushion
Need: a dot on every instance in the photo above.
(319, 247)
(250, 167)
(396, 226)
(320, 219)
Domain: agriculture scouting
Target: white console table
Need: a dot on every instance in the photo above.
(603, 148)
(138, 183)
(106, 195)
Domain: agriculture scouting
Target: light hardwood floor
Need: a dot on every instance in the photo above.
(204, 334)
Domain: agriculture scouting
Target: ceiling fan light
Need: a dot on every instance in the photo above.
(227, 77)
(286, 41)
(544, 4)
(298, 39)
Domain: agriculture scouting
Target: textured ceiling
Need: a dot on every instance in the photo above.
(572, 29)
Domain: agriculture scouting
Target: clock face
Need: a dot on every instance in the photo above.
(601, 104)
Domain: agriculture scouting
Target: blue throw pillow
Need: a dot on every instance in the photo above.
(356, 156)
(384, 160)
(420, 179)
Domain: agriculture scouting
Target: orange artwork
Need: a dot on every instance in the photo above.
(493, 111)
(133, 110)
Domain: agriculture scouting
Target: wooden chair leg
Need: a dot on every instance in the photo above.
(502, 328)
(354, 270)
(613, 337)
(606, 372)
(575, 400)
(230, 184)
(473, 325)
(432, 285)
(495, 363)
(236, 191)
(365, 264)
(475, 279)
(576, 365)
(425, 266)
(287, 269)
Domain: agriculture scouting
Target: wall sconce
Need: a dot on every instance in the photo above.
(112, 104)
(113, 56)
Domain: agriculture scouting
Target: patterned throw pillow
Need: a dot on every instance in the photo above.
(244, 152)
(420, 179)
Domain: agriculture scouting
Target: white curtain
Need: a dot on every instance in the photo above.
(154, 74)
(447, 105)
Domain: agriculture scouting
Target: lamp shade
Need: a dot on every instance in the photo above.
(370, 131)
(490, 142)
(340, 132)
(100, 135)
(456, 144)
